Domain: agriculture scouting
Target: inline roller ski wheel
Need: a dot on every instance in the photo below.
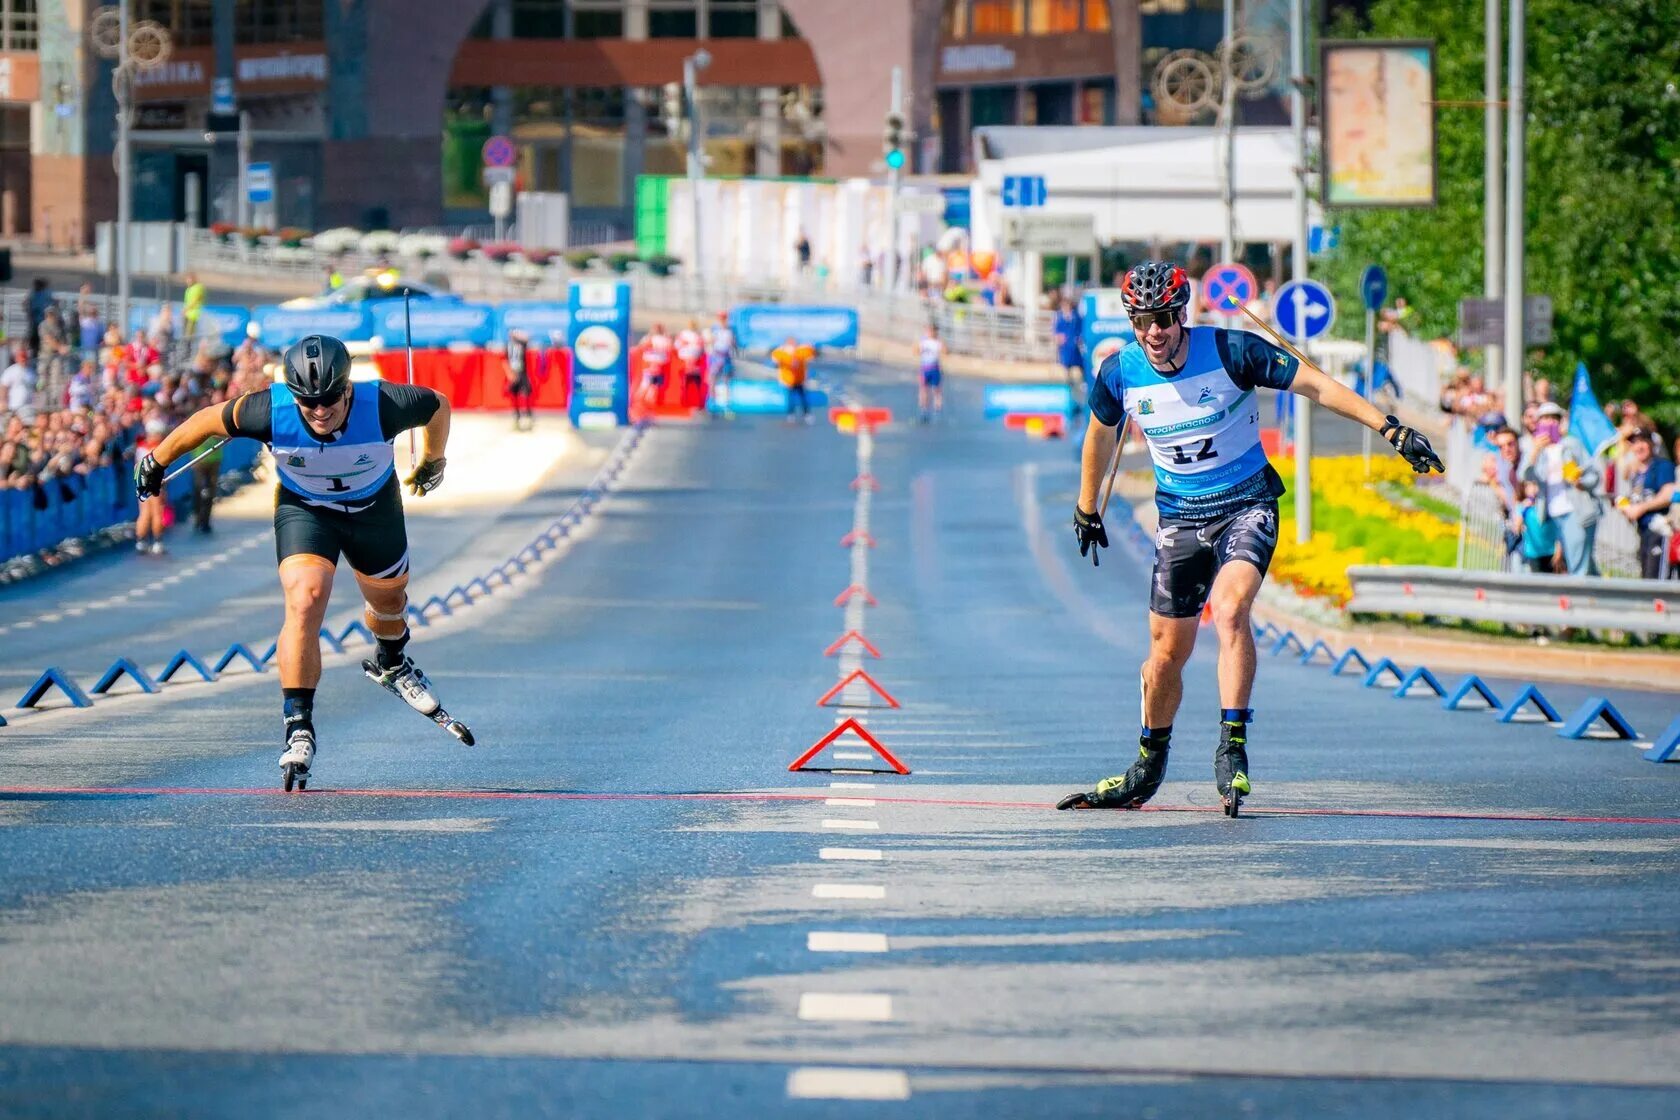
(439, 716)
(294, 777)
(1233, 800)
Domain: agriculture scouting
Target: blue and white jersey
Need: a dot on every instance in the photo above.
(348, 469)
(929, 351)
(1202, 424)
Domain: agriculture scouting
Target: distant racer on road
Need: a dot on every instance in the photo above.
(338, 494)
(1192, 391)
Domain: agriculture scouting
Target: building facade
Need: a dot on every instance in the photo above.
(375, 112)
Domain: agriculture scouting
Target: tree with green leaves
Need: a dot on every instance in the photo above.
(1602, 188)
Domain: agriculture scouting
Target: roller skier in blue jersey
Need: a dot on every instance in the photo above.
(1192, 391)
(338, 495)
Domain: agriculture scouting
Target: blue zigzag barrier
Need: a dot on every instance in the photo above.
(356, 626)
(1283, 641)
(273, 648)
(483, 587)
(1350, 657)
(184, 659)
(1315, 649)
(434, 601)
(1528, 695)
(1373, 678)
(1592, 710)
(1667, 744)
(238, 649)
(1470, 686)
(416, 618)
(1420, 675)
(2, 721)
(119, 667)
(449, 596)
(333, 643)
(54, 677)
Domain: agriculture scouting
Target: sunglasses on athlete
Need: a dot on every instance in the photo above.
(1143, 320)
(320, 402)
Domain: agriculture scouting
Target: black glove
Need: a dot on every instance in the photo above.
(1413, 447)
(428, 476)
(1088, 530)
(148, 476)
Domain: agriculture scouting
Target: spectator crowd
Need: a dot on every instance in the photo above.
(79, 397)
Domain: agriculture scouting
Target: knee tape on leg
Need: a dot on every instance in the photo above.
(387, 625)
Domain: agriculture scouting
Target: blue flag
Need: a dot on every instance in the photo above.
(1587, 421)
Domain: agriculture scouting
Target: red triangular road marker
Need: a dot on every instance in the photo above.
(851, 636)
(855, 728)
(855, 589)
(865, 479)
(856, 674)
(856, 535)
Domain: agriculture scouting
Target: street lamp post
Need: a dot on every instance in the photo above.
(692, 65)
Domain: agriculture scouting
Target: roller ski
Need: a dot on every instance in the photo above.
(408, 683)
(294, 764)
(1230, 767)
(1129, 790)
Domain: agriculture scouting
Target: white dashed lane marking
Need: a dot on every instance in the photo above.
(851, 785)
(849, 803)
(818, 941)
(860, 825)
(845, 1007)
(841, 1084)
(861, 855)
(848, 890)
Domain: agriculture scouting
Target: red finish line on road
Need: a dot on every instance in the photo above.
(95, 792)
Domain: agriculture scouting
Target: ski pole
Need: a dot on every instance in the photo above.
(201, 453)
(1281, 341)
(408, 347)
(1114, 464)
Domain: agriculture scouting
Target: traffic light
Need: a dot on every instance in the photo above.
(893, 141)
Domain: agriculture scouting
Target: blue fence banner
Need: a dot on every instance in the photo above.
(437, 323)
(545, 323)
(1002, 399)
(58, 509)
(1107, 328)
(763, 327)
(223, 321)
(764, 398)
(282, 326)
(598, 331)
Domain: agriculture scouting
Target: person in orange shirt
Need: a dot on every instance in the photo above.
(793, 361)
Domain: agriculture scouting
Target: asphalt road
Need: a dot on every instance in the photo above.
(621, 903)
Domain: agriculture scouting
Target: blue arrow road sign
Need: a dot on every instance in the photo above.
(1374, 286)
(1024, 190)
(1304, 309)
(259, 182)
(1225, 282)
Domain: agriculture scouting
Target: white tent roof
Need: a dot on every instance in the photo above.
(1154, 184)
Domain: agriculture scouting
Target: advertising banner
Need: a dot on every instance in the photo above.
(763, 327)
(279, 327)
(598, 332)
(544, 323)
(1378, 117)
(1001, 399)
(436, 323)
(1107, 327)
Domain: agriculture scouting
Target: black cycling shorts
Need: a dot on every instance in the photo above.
(1188, 554)
(373, 540)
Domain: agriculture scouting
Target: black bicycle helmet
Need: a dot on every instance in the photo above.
(317, 367)
(1154, 286)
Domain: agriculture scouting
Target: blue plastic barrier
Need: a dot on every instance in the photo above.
(356, 626)
(434, 601)
(758, 396)
(333, 643)
(1002, 399)
(238, 649)
(1667, 744)
(115, 673)
(1592, 710)
(416, 620)
(1373, 678)
(449, 597)
(480, 584)
(54, 677)
(1528, 695)
(1469, 686)
(1416, 676)
(273, 648)
(762, 327)
(1315, 649)
(184, 659)
(1348, 658)
(1283, 641)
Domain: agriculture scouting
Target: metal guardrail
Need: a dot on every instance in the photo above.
(1637, 606)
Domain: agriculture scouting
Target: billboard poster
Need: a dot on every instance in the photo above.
(598, 330)
(1106, 327)
(1378, 122)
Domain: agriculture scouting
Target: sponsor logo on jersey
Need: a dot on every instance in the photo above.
(294, 460)
(1206, 396)
(363, 460)
(1146, 408)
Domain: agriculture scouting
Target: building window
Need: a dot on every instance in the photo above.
(992, 105)
(535, 19)
(953, 20)
(998, 17)
(1097, 16)
(189, 21)
(732, 19)
(273, 21)
(1096, 102)
(1054, 17)
(667, 20)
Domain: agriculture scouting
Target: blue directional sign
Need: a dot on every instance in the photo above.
(1374, 287)
(1321, 239)
(1024, 190)
(1304, 309)
(1224, 283)
(259, 182)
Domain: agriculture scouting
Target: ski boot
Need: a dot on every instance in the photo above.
(1129, 790)
(1230, 766)
(294, 764)
(404, 679)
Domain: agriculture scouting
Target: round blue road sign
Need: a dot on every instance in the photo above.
(1374, 286)
(1226, 282)
(499, 152)
(1304, 309)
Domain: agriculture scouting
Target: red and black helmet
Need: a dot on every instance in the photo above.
(1155, 286)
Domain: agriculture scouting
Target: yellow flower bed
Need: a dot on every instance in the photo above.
(1347, 514)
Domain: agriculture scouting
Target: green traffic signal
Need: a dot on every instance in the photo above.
(895, 159)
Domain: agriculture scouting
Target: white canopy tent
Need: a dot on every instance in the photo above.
(1146, 184)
